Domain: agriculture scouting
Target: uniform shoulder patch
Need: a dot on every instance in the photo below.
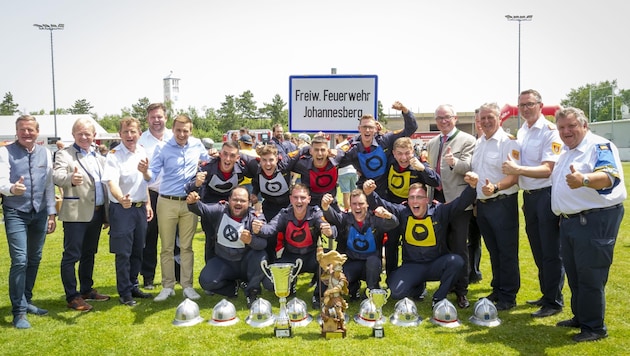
(551, 127)
(112, 151)
(603, 147)
(292, 154)
(556, 147)
(345, 147)
(516, 154)
(512, 137)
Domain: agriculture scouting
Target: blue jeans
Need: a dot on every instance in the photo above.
(26, 233)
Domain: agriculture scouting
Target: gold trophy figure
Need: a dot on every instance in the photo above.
(334, 307)
(282, 276)
(379, 298)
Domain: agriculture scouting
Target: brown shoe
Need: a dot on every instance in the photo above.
(93, 296)
(79, 304)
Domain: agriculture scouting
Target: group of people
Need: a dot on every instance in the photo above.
(422, 214)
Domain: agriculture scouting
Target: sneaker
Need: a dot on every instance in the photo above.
(164, 294)
(32, 309)
(422, 295)
(128, 301)
(20, 322)
(208, 292)
(243, 285)
(148, 285)
(79, 304)
(94, 296)
(191, 293)
(354, 296)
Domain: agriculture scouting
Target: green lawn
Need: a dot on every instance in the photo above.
(146, 329)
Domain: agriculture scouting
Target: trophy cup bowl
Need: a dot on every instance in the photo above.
(282, 276)
(379, 298)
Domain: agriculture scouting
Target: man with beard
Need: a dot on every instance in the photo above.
(364, 241)
(301, 226)
(497, 205)
(214, 182)
(238, 250)
(424, 226)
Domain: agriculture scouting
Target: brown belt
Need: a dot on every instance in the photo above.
(98, 207)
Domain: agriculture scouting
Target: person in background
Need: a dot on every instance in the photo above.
(28, 205)
(130, 208)
(78, 170)
(347, 178)
(155, 136)
(540, 147)
(474, 235)
(588, 190)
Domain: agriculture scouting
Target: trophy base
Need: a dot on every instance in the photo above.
(339, 334)
(378, 333)
(282, 332)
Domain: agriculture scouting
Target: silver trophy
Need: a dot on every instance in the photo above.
(379, 298)
(282, 276)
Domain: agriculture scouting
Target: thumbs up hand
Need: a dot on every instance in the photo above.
(488, 188)
(575, 178)
(143, 165)
(77, 177)
(510, 167)
(18, 187)
(126, 202)
(448, 157)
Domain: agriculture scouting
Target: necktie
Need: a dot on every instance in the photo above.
(443, 140)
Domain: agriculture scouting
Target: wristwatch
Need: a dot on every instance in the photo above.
(496, 189)
(585, 181)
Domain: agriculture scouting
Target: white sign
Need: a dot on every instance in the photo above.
(331, 103)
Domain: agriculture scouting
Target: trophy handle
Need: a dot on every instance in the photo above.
(298, 267)
(367, 292)
(264, 266)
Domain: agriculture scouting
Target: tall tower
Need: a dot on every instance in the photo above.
(171, 91)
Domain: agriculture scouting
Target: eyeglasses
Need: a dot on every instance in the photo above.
(444, 118)
(528, 105)
(366, 127)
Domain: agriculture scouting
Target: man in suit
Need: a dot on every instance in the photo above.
(78, 170)
(450, 154)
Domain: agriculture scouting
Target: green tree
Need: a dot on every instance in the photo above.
(246, 106)
(81, 106)
(382, 118)
(596, 100)
(8, 107)
(275, 111)
(229, 118)
(110, 122)
(139, 111)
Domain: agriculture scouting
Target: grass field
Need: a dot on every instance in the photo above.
(146, 329)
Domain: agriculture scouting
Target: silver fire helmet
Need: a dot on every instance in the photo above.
(485, 314)
(223, 314)
(367, 315)
(298, 315)
(405, 313)
(187, 314)
(260, 314)
(445, 314)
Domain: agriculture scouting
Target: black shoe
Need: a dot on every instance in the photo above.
(354, 296)
(250, 299)
(545, 312)
(315, 303)
(589, 336)
(422, 295)
(493, 297)
(538, 302)
(462, 301)
(128, 301)
(433, 303)
(505, 305)
(569, 323)
(475, 278)
(243, 285)
(137, 293)
(148, 284)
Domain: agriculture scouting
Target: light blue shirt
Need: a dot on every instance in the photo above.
(178, 165)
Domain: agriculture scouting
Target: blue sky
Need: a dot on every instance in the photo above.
(425, 53)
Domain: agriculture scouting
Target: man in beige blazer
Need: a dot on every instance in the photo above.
(450, 154)
(78, 170)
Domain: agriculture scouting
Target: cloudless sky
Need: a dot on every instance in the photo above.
(425, 53)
